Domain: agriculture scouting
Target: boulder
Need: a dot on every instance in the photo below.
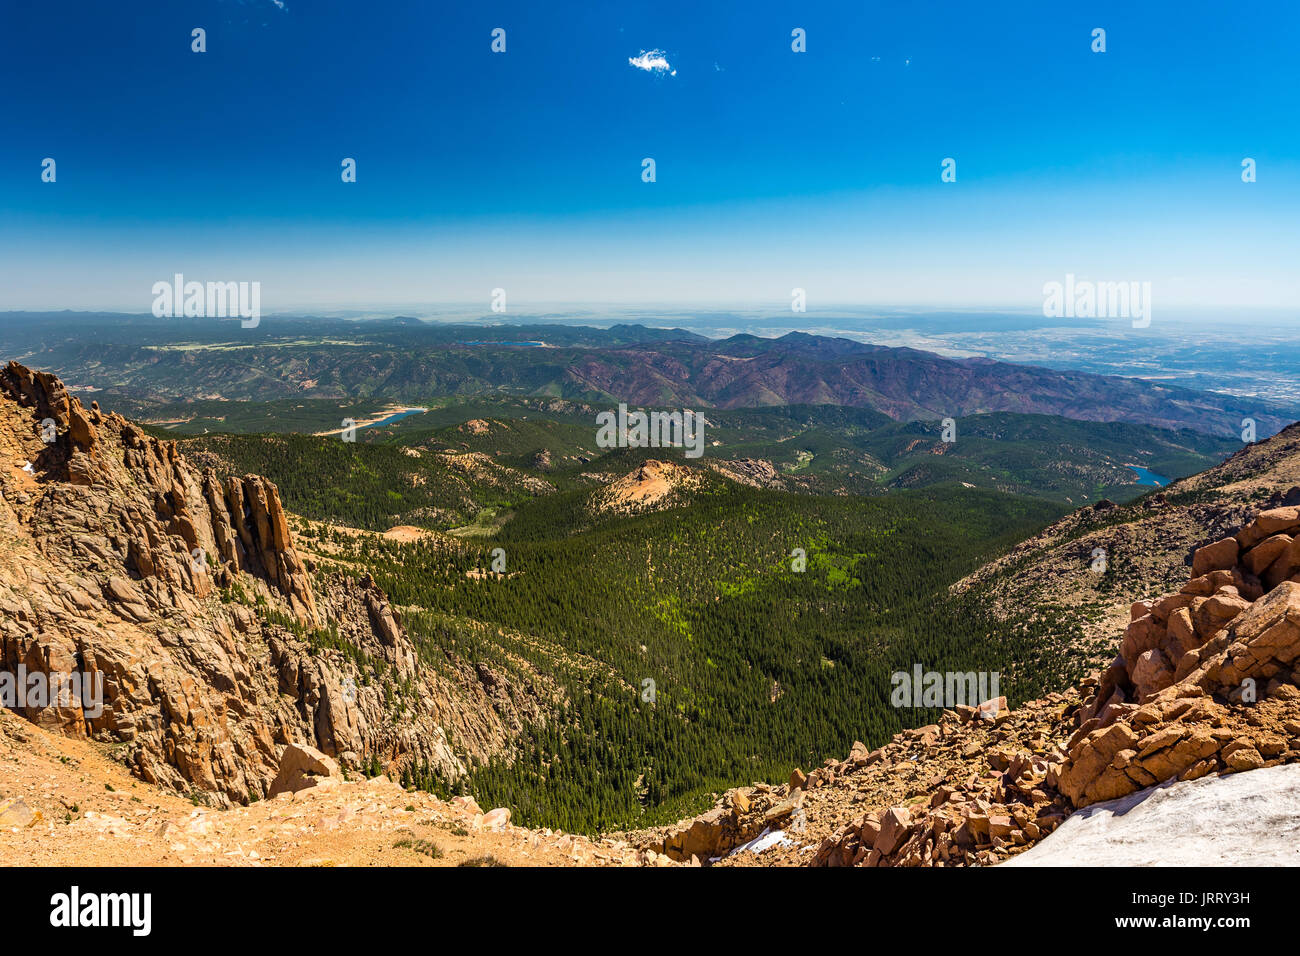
(1152, 672)
(302, 767)
(466, 803)
(893, 830)
(1276, 520)
(1140, 636)
(1219, 556)
(495, 820)
(16, 813)
(1266, 552)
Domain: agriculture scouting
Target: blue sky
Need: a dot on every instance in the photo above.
(522, 170)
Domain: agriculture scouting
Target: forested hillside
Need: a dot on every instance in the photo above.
(756, 667)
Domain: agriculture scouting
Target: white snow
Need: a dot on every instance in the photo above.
(764, 841)
(1243, 819)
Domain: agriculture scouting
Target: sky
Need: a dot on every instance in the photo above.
(774, 169)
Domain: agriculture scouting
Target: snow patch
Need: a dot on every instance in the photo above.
(764, 841)
(1243, 819)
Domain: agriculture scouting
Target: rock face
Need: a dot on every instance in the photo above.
(204, 641)
(177, 529)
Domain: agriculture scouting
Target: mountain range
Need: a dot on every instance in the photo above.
(145, 361)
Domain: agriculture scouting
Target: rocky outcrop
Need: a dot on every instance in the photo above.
(1164, 709)
(177, 526)
(653, 485)
(755, 472)
(204, 643)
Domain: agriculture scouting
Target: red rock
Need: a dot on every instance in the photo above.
(1221, 555)
(1151, 673)
(1199, 587)
(893, 830)
(1276, 519)
(1000, 826)
(1266, 552)
(1140, 636)
(1162, 608)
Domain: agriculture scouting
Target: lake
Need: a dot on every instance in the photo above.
(1148, 477)
(395, 417)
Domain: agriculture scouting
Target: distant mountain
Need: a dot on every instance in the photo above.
(145, 360)
(747, 371)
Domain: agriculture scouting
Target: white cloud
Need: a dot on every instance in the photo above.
(652, 61)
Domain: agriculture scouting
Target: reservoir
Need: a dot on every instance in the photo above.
(395, 417)
(1147, 477)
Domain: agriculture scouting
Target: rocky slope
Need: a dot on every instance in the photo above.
(1146, 546)
(213, 642)
(1206, 681)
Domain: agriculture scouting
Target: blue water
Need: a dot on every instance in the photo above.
(395, 417)
(1146, 477)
